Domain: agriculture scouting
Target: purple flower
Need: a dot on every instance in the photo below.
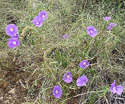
(83, 64)
(107, 18)
(66, 36)
(81, 81)
(67, 77)
(109, 28)
(116, 89)
(13, 42)
(11, 30)
(57, 91)
(112, 25)
(37, 21)
(91, 30)
(16, 36)
(43, 15)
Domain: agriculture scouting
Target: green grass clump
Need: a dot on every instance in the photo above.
(46, 56)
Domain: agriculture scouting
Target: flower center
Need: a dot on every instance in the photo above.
(84, 63)
(91, 31)
(11, 29)
(37, 23)
(56, 91)
(68, 76)
(14, 42)
(43, 16)
(114, 88)
(83, 83)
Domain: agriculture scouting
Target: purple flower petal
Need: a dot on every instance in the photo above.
(37, 21)
(57, 91)
(16, 36)
(109, 28)
(66, 36)
(81, 81)
(13, 42)
(112, 25)
(43, 15)
(116, 89)
(119, 89)
(11, 30)
(67, 77)
(84, 64)
(113, 87)
(107, 18)
(91, 30)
